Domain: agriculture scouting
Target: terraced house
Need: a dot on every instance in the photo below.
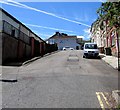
(105, 31)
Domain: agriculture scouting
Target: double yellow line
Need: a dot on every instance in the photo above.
(99, 94)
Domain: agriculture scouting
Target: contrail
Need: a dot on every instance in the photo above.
(51, 14)
(41, 34)
(36, 25)
(48, 27)
(11, 4)
(46, 35)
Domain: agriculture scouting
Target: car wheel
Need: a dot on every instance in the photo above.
(83, 56)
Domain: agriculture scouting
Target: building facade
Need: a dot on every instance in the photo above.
(106, 37)
(63, 40)
(18, 42)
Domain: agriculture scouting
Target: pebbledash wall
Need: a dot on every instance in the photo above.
(17, 42)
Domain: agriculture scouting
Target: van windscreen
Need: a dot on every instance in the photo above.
(91, 46)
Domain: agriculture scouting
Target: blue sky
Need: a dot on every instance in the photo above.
(45, 18)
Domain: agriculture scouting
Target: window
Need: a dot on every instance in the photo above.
(90, 46)
(113, 38)
(13, 33)
(7, 28)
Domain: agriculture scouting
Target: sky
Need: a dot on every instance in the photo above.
(45, 18)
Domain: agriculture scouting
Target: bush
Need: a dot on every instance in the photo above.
(118, 107)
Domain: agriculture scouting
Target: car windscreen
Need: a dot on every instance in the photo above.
(91, 46)
(67, 47)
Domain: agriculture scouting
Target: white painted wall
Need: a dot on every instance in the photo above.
(71, 42)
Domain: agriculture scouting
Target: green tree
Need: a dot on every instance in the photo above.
(110, 11)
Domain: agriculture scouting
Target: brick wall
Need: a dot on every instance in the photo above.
(114, 51)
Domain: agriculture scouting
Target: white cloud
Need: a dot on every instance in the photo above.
(102, 1)
(87, 34)
(51, 28)
(80, 37)
(87, 31)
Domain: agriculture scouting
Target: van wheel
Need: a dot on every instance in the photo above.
(83, 56)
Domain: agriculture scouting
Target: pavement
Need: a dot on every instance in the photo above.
(113, 62)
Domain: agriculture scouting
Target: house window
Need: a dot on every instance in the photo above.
(52, 41)
(61, 41)
(113, 38)
(13, 33)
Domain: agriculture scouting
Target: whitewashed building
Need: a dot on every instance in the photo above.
(63, 40)
(98, 36)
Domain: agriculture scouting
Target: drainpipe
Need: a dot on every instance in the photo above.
(118, 44)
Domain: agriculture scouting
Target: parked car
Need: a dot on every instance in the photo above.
(67, 48)
(90, 50)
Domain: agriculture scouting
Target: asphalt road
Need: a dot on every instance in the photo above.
(60, 80)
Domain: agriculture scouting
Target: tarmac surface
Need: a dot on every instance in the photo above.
(60, 80)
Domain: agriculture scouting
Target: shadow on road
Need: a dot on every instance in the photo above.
(6, 80)
(97, 58)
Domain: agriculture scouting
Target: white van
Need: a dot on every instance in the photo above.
(90, 50)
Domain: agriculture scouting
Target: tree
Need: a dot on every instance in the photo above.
(110, 11)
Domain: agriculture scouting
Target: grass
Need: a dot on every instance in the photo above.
(118, 108)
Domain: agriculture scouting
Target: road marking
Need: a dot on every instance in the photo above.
(100, 101)
(106, 100)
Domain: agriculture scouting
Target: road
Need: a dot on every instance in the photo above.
(60, 80)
